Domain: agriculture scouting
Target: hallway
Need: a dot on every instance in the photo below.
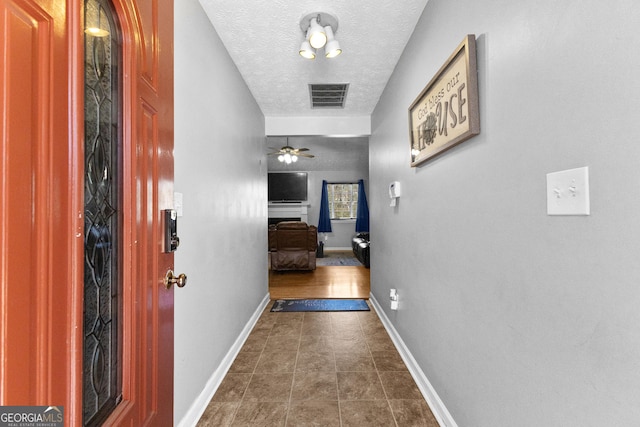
(320, 369)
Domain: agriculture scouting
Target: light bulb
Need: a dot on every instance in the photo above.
(281, 158)
(332, 49)
(294, 158)
(317, 36)
(306, 51)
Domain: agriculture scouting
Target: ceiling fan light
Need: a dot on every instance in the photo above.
(316, 34)
(294, 158)
(281, 158)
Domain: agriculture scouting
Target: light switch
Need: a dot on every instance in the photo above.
(568, 192)
(393, 297)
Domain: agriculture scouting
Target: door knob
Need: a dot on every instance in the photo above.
(170, 280)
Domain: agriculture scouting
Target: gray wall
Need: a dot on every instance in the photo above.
(518, 318)
(336, 160)
(220, 167)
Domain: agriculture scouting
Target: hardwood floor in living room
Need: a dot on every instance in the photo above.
(324, 282)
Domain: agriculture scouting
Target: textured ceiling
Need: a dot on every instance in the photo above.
(263, 39)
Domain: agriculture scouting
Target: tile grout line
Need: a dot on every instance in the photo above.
(293, 375)
(252, 372)
(335, 365)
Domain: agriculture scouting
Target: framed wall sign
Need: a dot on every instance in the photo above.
(446, 111)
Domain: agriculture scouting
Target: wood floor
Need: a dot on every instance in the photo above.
(324, 282)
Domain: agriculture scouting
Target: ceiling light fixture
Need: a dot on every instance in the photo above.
(288, 154)
(319, 29)
(288, 157)
(306, 51)
(317, 36)
(332, 48)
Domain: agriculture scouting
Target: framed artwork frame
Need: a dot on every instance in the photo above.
(446, 112)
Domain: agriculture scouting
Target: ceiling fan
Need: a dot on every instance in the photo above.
(288, 154)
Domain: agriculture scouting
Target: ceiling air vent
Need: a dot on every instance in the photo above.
(328, 95)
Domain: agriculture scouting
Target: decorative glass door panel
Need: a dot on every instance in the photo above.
(103, 219)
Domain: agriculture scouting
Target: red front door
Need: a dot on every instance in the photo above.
(148, 174)
(41, 207)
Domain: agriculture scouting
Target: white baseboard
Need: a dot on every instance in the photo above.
(200, 404)
(438, 409)
(338, 248)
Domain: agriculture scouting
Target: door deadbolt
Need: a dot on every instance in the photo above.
(171, 239)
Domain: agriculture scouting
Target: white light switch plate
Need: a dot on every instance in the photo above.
(568, 192)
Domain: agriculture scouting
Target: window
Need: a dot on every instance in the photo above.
(102, 360)
(343, 200)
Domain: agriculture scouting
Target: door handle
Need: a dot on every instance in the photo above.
(170, 280)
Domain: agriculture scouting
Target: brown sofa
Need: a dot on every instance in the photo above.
(292, 246)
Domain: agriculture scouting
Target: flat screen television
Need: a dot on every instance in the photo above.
(287, 187)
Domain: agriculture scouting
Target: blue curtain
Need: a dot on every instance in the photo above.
(362, 216)
(324, 222)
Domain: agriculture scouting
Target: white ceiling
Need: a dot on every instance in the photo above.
(263, 39)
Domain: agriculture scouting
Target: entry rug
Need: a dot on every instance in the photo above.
(285, 305)
(337, 259)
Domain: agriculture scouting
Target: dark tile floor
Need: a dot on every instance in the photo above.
(318, 369)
